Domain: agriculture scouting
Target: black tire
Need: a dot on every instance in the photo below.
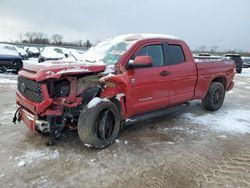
(99, 126)
(215, 97)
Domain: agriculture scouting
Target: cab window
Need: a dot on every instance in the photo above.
(177, 55)
(155, 51)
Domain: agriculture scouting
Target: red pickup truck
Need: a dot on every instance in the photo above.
(120, 81)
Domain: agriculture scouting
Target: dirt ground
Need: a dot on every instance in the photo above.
(193, 148)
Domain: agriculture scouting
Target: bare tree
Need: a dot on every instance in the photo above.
(201, 48)
(57, 39)
(214, 49)
(79, 43)
(30, 36)
(39, 35)
(87, 44)
(20, 36)
(40, 38)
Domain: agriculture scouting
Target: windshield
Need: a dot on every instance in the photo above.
(108, 52)
(6, 49)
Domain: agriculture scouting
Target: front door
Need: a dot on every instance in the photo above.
(149, 86)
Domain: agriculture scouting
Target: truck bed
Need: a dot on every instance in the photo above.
(210, 69)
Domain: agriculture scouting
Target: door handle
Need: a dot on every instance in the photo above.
(165, 73)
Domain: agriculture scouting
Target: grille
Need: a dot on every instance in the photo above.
(30, 89)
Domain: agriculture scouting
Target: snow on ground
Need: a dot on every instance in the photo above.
(33, 156)
(224, 120)
(245, 73)
(241, 83)
(8, 79)
(5, 115)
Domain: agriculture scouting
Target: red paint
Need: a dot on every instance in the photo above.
(145, 89)
(57, 69)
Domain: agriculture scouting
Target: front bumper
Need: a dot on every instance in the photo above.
(28, 118)
(32, 121)
(31, 113)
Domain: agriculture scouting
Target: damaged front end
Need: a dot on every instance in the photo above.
(52, 105)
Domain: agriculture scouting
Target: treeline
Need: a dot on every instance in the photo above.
(55, 39)
(214, 50)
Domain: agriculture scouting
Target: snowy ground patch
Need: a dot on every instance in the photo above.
(245, 73)
(37, 156)
(8, 79)
(241, 83)
(224, 120)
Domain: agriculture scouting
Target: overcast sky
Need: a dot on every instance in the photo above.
(225, 23)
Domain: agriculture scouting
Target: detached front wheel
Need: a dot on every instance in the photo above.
(99, 126)
(215, 97)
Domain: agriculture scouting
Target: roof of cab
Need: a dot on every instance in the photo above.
(139, 36)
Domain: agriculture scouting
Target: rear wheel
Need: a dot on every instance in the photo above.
(215, 97)
(99, 126)
(239, 71)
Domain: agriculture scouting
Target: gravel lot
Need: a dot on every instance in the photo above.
(194, 148)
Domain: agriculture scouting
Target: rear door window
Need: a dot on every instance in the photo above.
(177, 55)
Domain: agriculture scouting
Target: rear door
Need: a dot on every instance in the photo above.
(183, 75)
(148, 86)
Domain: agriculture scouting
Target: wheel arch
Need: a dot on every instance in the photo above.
(220, 79)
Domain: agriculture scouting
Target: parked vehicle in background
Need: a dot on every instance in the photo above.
(10, 60)
(32, 51)
(24, 55)
(207, 57)
(237, 60)
(246, 62)
(76, 54)
(204, 54)
(53, 53)
(153, 75)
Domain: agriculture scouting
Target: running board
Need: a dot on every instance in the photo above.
(159, 113)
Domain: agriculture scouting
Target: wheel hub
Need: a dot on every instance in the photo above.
(105, 125)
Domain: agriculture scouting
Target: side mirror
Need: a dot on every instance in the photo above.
(66, 55)
(141, 61)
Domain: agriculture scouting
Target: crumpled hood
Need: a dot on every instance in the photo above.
(55, 69)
